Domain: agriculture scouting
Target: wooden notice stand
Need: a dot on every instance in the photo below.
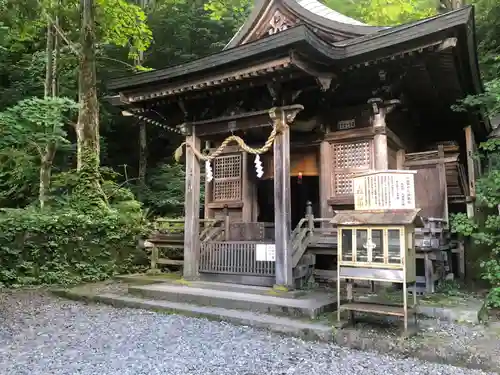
(378, 244)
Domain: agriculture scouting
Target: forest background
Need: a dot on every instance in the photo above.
(79, 183)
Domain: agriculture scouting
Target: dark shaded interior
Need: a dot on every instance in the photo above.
(302, 190)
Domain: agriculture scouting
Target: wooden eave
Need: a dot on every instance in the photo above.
(378, 45)
(377, 217)
(238, 76)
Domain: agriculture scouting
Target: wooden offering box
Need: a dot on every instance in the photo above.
(376, 241)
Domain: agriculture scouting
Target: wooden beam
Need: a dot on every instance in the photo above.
(192, 210)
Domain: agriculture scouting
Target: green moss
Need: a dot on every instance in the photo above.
(182, 281)
(280, 288)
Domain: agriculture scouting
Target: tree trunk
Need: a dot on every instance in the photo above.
(143, 145)
(47, 158)
(143, 156)
(87, 127)
(88, 193)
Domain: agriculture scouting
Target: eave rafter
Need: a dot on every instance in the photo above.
(291, 66)
(279, 66)
(434, 47)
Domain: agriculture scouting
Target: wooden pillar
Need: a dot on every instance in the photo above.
(247, 189)
(470, 146)
(192, 210)
(380, 110)
(209, 186)
(381, 161)
(282, 199)
(400, 159)
(325, 178)
(443, 183)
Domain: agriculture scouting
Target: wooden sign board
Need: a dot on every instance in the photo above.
(384, 190)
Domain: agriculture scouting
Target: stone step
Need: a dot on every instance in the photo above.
(239, 288)
(305, 306)
(283, 325)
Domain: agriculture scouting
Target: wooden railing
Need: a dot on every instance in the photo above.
(312, 232)
(170, 235)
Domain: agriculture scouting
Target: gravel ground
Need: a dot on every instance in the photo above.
(41, 334)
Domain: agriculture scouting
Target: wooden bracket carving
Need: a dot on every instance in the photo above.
(282, 116)
(274, 90)
(324, 79)
(124, 99)
(183, 108)
(278, 22)
(376, 105)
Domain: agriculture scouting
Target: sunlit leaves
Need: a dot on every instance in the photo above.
(394, 12)
(124, 24)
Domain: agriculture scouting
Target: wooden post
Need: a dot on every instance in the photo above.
(309, 215)
(192, 210)
(282, 203)
(380, 137)
(325, 178)
(246, 191)
(209, 213)
(442, 183)
(282, 200)
(400, 159)
(471, 170)
(154, 258)
(226, 223)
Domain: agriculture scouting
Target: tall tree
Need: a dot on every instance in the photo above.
(50, 90)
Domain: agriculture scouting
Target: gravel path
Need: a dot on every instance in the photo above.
(40, 334)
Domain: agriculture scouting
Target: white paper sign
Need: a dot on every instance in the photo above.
(261, 253)
(383, 190)
(271, 253)
(265, 253)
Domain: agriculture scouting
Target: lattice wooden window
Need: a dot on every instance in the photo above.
(349, 159)
(227, 178)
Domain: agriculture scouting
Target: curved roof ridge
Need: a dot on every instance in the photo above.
(312, 12)
(321, 10)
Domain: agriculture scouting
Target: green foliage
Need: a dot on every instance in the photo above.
(488, 35)
(165, 191)
(486, 233)
(25, 130)
(66, 246)
(124, 24)
(226, 9)
(34, 122)
(394, 12)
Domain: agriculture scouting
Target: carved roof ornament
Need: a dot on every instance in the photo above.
(278, 22)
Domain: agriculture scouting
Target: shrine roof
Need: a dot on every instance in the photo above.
(378, 44)
(382, 217)
(312, 12)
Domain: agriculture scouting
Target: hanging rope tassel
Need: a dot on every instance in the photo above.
(208, 172)
(258, 166)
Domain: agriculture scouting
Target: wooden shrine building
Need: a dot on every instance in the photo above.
(320, 97)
